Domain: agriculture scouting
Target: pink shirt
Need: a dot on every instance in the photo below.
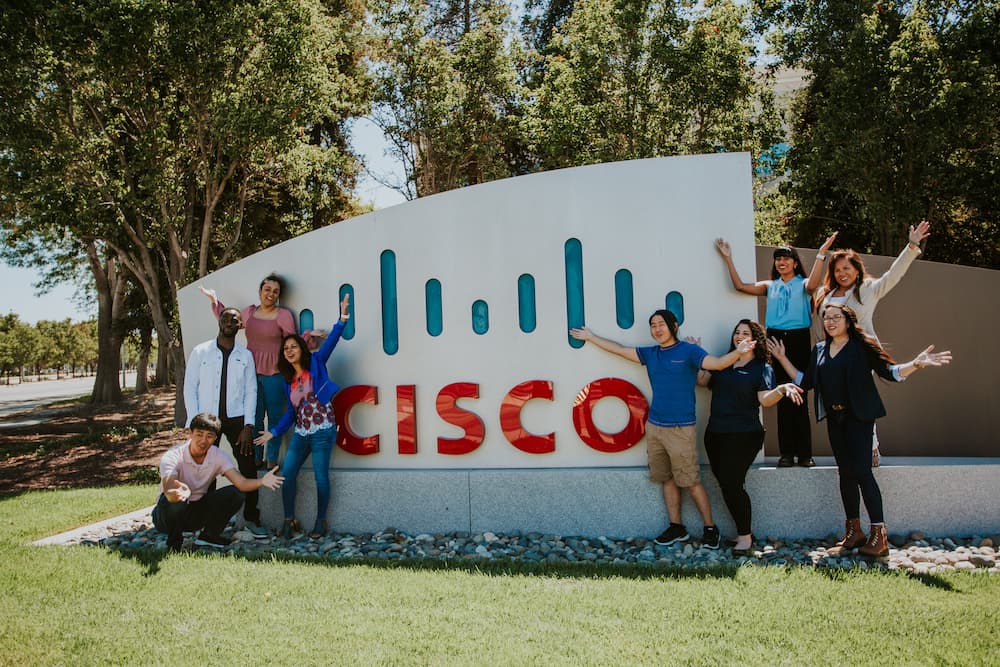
(263, 336)
(177, 462)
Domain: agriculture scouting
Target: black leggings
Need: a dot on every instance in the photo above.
(851, 442)
(730, 455)
(794, 429)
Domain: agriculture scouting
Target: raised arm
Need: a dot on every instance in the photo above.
(816, 274)
(926, 359)
(756, 289)
(611, 346)
(710, 363)
(902, 263)
(777, 350)
(217, 306)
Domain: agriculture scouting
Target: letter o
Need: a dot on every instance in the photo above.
(583, 418)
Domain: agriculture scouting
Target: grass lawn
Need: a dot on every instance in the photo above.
(83, 605)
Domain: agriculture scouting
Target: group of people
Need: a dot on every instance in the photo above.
(230, 389)
(839, 369)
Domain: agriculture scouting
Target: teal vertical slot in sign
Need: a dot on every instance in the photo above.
(305, 320)
(624, 299)
(348, 290)
(432, 302)
(574, 289)
(390, 306)
(526, 302)
(480, 317)
(675, 304)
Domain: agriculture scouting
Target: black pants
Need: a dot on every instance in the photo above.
(794, 429)
(245, 463)
(730, 455)
(851, 442)
(210, 513)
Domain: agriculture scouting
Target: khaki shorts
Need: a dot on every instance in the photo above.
(672, 454)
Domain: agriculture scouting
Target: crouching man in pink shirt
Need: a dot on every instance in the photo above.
(186, 472)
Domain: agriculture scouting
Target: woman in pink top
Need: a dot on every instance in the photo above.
(265, 326)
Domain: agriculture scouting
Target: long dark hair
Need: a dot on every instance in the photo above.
(872, 347)
(830, 281)
(286, 369)
(757, 333)
(787, 251)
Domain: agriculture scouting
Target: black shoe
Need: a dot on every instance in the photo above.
(710, 539)
(675, 532)
(214, 541)
(175, 542)
(786, 462)
(807, 463)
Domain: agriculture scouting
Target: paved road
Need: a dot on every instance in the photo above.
(20, 397)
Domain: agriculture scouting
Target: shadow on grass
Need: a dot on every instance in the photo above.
(150, 559)
(927, 579)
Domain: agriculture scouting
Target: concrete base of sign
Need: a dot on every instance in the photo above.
(937, 496)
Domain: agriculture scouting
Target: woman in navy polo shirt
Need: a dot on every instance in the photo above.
(734, 434)
(789, 308)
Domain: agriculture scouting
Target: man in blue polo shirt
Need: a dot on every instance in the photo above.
(672, 366)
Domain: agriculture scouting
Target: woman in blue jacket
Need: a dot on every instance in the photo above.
(840, 371)
(310, 394)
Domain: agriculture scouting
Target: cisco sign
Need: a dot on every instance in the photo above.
(458, 353)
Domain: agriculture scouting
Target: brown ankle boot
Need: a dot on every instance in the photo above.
(853, 537)
(878, 543)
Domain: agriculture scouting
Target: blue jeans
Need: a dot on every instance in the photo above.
(320, 445)
(272, 401)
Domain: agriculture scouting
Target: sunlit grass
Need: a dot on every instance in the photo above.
(85, 605)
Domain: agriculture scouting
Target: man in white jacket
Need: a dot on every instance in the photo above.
(221, 380)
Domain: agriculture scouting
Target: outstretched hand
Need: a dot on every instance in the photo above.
(920, 232)
(582, 333)
(179, 493)
(930, 358)
(746, 345)
(693, 340)
(345, 307)
(776, 348)
(210, 293)
(792, 392)
(272, 480)
(825, 248)
(723, 247)
(263, 438)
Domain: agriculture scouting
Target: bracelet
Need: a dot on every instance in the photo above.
(915, 246)
(821, 258)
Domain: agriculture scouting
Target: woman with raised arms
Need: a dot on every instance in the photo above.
(310, 393)
(840, 370)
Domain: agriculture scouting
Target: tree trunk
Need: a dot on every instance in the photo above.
(145, 345)
(162, 376)
(110, 289)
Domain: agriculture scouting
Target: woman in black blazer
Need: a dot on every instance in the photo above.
(840, 372)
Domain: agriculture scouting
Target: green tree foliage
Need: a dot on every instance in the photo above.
(447, 93)
(146, 130)
(898, 122)
(627, 79)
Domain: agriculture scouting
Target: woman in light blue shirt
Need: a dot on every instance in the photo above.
(789, 307)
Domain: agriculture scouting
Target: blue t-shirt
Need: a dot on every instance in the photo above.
(673, 374)
(788, 304)
(735, 408)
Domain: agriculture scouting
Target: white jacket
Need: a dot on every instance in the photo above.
(202, 382)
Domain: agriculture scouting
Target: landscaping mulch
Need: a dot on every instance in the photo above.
(79, 445)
